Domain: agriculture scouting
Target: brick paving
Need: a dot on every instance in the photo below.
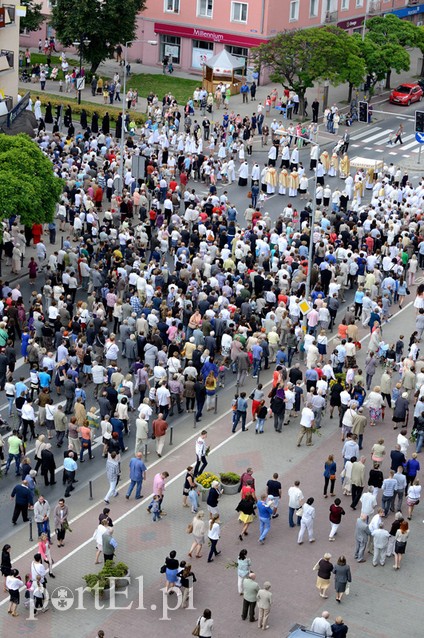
(144, 545)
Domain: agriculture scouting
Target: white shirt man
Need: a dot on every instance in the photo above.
(163, 396)
(368, 502)
(295, 496)
(321, 625)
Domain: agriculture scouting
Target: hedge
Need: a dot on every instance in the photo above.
(100, 109)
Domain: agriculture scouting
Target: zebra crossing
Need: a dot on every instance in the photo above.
(376, 138)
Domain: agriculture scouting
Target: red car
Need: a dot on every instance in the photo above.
(405, 94)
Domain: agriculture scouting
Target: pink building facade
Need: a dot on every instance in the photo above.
(191, 31)
(194, 30)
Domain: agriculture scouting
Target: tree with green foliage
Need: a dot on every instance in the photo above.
(28, 185)
(385, 44)
(296, 59)
(106, 24)
(420, 45)
(34, 17)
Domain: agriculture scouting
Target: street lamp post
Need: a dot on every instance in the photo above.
(80, 81)
(124, 108)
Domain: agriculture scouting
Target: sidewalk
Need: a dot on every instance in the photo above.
(336, 94)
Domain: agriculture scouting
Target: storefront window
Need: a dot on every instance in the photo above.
(241, 53)
(201, 52)
(170, 45)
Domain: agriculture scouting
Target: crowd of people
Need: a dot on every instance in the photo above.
(181, 290)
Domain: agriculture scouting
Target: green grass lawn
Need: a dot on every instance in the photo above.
(180, 88)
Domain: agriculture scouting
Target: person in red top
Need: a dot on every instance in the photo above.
(248, 476)
(173, 185)
(98, 198)
(37, 231)
(370, 244)
(183, 179)
(159, 427)
(257, 215)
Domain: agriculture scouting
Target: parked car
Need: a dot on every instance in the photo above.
(405, 94)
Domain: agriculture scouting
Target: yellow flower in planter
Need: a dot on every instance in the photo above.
(206, 479)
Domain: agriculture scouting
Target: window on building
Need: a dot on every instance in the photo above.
(239, 52)
(313, 9)
(345, 5)
(172, 6)
(294, 10)
(170, 45)
(205, 8)
(201, 51)
(239, 11)
(359, 3)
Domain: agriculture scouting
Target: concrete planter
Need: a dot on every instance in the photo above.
(230, 489)
(203, 492)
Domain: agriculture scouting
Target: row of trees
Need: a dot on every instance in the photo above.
(106, 23)
(299, 58)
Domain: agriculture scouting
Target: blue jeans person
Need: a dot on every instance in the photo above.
(386, 501)
(17, 458)
(44, 528)
(256, 366)
(85, 445)
(419, 442)
(11, 401)
(260, 425)
(240, 415)
(137, 485)
(264, 527)
(292, 511)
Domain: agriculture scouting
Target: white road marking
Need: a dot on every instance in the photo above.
(381, 134)
(365, 133)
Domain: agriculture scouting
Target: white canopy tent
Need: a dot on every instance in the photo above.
(221, 68)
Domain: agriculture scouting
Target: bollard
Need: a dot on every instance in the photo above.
(194, 419)
(61, 241)
(90, 487)
(259, 376)
(238, 386)
(216, 404)
(30, 530)
(145, 451)
(171, 434)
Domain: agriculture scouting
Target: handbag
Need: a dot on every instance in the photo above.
(190, 528)
(249, 194)
(163, 569)
(332, 477)
(196, 630)
(347, 590)
(299, 512)
(153, 436)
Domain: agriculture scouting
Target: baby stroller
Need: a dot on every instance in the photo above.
(24, 76)
(382, 353)
(4, 426)
(339, 147)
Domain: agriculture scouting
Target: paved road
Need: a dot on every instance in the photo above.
(372, 610)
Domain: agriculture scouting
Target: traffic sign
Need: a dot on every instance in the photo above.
(80, 84)
(304, 307)
(419, 137)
